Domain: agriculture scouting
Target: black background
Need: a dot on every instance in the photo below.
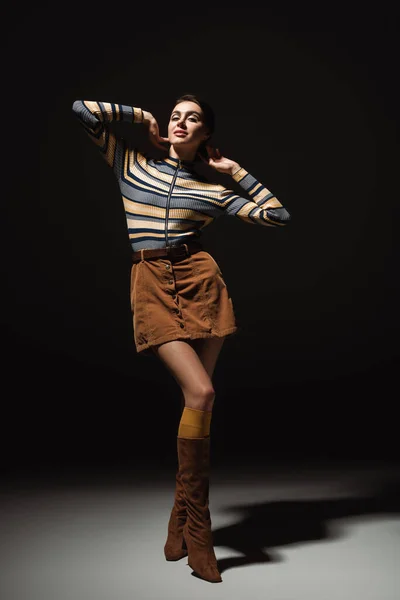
(306, 100)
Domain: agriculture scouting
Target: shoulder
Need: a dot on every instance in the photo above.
(205, 182)
(200, 178)
(211, 189)
(141, 156)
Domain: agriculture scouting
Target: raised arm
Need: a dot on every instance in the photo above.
(264, 207)
(95, 116)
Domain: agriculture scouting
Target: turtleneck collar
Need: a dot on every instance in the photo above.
(170, 160)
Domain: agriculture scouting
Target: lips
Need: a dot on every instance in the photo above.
(180, 133)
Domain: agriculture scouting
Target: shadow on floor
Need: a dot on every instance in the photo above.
(276, 524)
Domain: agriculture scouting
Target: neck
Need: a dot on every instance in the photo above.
(182, 153)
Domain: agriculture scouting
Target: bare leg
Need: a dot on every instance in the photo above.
(207, 350)
(184, 364)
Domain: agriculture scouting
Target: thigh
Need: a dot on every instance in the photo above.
(208, 350)
(183, 362)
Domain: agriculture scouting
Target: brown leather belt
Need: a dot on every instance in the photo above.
(170, 252)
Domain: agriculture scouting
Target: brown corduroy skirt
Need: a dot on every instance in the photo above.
(179, 299)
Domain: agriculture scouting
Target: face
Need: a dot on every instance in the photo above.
(186, 127)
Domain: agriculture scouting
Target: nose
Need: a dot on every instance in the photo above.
(181, 123)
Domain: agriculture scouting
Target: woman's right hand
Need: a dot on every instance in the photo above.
(154, 133)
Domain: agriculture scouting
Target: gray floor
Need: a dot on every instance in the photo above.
(318, 532)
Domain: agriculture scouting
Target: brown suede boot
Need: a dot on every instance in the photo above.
(175, 546)
(194, 467)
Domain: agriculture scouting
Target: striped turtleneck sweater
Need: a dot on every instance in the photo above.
(166, 202)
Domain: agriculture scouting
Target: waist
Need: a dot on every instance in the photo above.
(171, 252)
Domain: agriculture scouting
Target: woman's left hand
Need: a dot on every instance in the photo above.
(220, 163)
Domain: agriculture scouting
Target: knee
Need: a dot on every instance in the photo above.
(201, 398)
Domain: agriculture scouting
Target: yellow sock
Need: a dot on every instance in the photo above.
(207, 423)
(194, 423)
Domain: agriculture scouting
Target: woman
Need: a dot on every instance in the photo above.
(181, 307)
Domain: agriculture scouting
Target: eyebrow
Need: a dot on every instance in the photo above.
(189, 112)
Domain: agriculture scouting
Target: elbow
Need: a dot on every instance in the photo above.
(79, 110)
(87, 117)
(279, 215)
(77, 106)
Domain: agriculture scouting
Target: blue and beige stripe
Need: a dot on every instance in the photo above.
(145, 186)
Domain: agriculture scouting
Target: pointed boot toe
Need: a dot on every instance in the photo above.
(202, 559)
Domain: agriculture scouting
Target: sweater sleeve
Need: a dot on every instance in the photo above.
(263, 208)
(95, 116)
